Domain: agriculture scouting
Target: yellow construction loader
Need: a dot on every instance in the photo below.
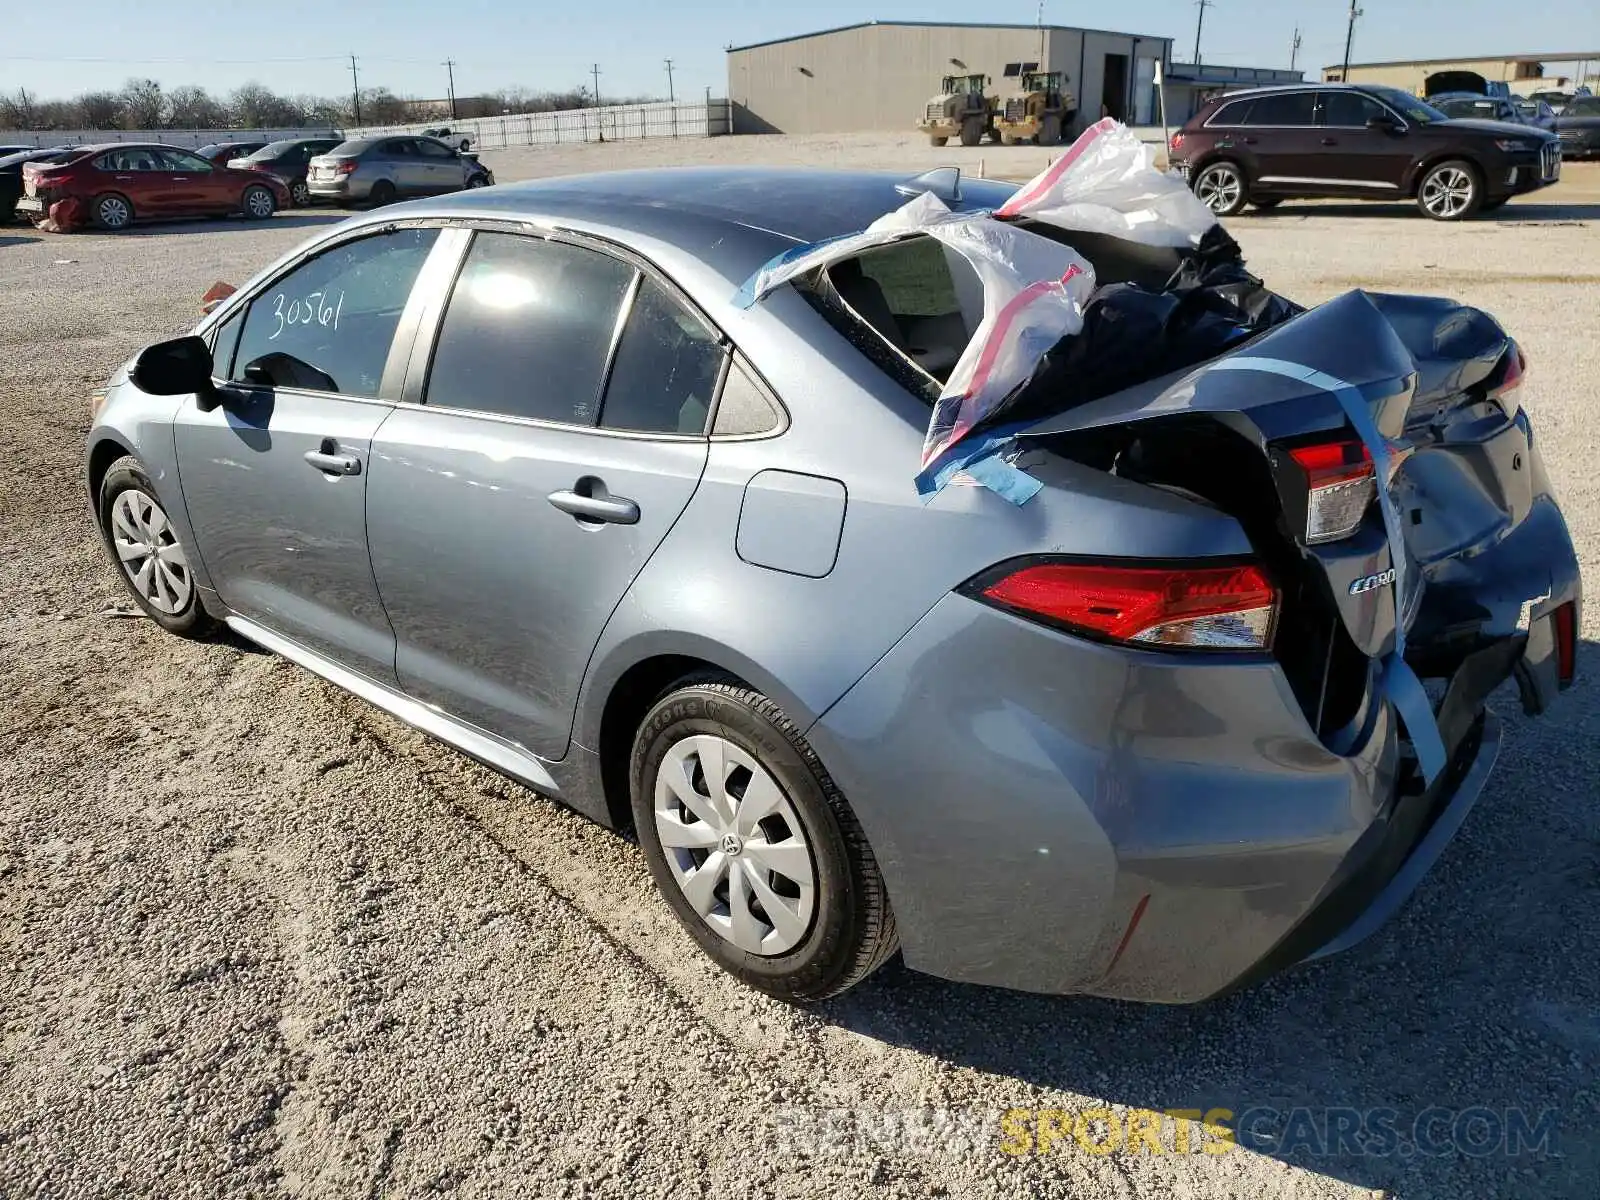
(1040, 112)
(961, 109)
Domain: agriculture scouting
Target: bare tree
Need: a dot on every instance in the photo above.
(191, 107)
(98, 110)
(19, 111)
(144, 106)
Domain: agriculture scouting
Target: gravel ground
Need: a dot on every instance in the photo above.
(259, 939)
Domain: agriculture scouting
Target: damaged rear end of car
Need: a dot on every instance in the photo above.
(1168, 774)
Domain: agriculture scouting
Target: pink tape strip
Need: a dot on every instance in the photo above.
(1043, 183)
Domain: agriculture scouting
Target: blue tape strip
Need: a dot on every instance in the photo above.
(1397, 681)
(980, 457)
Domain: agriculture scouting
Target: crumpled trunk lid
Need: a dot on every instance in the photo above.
(1487, 554)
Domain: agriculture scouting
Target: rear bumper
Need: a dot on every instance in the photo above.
(345, 188)
(1057, 816)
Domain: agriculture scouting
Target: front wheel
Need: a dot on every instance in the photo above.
(1222, 189)
(1050, 131)
(756, 852)
(971, 132)
(1450, 191)
(153, 563)
(258, 203)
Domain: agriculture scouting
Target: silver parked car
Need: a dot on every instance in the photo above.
(383, 169)
(516, 467)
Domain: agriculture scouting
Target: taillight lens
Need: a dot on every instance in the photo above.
(1193, 607)
(1176, 143)
(1566, 629)
(1511, 381)
(346, 167)
(1340, 485)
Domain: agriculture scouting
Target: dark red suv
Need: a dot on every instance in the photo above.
(1352, 141)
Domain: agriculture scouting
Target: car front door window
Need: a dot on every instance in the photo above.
(328, 324)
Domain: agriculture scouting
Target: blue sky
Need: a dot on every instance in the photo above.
(541, 45)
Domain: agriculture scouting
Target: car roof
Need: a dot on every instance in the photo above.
(719, 223)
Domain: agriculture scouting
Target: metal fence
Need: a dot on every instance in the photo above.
(190, 138)
(613, 123)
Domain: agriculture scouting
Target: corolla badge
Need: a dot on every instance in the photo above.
(1369, 582)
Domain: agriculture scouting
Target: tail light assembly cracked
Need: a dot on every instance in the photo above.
(1326, 486)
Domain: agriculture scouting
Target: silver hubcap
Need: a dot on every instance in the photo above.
(113, 213)
(1220, 188)
(149, 552)
(1447, 193)
(260, 203)
(735, 845)
(302, 194)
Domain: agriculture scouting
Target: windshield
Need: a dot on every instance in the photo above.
(270, 150)
(1409, 106)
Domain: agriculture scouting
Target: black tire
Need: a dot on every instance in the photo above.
(972, 131)
(300, 194)
(1050, 131)
(1221, 187)
(112, 212)
(1266, 204)
(125, 475)
(257, 202)
(1457, 178)
(382, 193)
(852, 928)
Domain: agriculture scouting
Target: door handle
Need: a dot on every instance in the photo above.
(1330, 141)
(334, 464)
(589, 502)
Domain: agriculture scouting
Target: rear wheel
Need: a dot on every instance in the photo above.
(382, 193)
(1222, 189)
(1050, 131)
(756, 852)
(113, 212)
(971, 131)
(153, 563)
(258, 203)
(300, 193)
(1450, 191)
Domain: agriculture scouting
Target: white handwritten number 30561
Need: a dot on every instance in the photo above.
(319, 308)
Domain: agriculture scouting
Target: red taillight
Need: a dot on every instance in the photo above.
(1566, 628)
(1340, 484)
(1176, 143)
(346, 167)
(1187, 607)
(1511, 380)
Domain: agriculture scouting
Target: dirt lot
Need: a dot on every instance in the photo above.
(258, 939)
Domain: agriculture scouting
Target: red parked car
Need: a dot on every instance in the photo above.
(118, 184)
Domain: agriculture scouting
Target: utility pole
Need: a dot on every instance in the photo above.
(449, 65)
(1199, 25)
(1294, 48)
(1349, 37)
(599, 121)
(672, 96)
(1039, 20)
(355, 88)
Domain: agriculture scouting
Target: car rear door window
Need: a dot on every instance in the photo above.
(1284, 109)
(1236, 113)
(1350, 110)
(666, 368)
(429, 148)
(328, 323)
(529, 329)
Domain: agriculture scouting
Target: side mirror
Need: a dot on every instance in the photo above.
(1382, 124)
(180, 367)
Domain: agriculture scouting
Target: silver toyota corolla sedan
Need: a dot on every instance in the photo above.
(516, 467)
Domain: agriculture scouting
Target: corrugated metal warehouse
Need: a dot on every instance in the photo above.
(880, 74)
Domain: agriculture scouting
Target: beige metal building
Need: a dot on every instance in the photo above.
(880, 74)
(1523, 73)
